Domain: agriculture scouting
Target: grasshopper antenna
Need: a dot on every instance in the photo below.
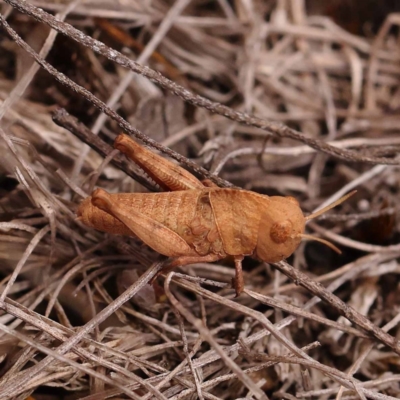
(317, 239)
(322, 211)
(330, 206)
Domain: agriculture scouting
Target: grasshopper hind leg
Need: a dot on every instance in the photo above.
(156, 235)
(168, 175)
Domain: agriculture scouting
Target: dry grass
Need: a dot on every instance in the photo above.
(267, 97)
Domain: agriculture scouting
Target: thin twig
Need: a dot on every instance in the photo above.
(102, 107)
(186, 95)
(352, 315)
(12, 385)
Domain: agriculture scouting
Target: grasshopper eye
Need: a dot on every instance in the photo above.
(281, 231)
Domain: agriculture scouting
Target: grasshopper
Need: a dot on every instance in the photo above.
(197, 221)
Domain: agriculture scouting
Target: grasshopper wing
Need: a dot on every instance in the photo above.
(237, 214)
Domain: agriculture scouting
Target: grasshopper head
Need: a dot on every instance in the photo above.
(281, 229)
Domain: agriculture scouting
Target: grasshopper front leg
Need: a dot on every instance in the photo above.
(167, 174)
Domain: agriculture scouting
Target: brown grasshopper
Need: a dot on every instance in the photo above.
(197, 221)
